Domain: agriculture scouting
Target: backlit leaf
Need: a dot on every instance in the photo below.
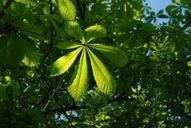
(104, 80)
(67, 9)
(189, 63)
(79, 85)
(62, 64)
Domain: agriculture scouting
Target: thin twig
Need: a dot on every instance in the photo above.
(78, 107)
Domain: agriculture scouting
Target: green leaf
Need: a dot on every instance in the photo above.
(24, 1)
(189, 63)
(67, 45)
(32, 53)
(11, 50)
(1, 5)
(67, 9)
(172, 10)
(55, 20)
(62, 64)
(115, 55)
(94, 32)
(79, 85)
(74, 30)
(163, 16)
(176, 1)
(104, 80)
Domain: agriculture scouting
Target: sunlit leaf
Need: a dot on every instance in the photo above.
(114, 54)
(67, 9)
(176, 1)
(62, 64)
(79, 85)
(104, 80)
(94, 32)
(189, 63)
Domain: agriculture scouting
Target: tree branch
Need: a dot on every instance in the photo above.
(63, 109)
(74, 107)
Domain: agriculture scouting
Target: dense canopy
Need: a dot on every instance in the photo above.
(94, 64)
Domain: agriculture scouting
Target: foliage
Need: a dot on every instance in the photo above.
(98, 63)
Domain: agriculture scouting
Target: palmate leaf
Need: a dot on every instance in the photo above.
(104, 80)
(74, 30)
(67, 9)
(114, 54)
(94, 32)
(62, 64)
(67, 45)
(79, 84)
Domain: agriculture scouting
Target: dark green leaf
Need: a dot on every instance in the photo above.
(114, 54)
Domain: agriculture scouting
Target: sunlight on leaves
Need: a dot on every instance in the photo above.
(62, 64)
(67, 9)
(80, 83)
(104, 80)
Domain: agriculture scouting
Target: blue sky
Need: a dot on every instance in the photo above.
(158, 4)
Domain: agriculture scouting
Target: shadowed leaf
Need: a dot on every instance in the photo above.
(67, 45)
(114, 54)
(94, 32)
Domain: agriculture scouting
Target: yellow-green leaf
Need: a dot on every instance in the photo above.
(104, 80)
(79, 84)
(189, 63)
(67, 9)
(176, 1)
(62, 64)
